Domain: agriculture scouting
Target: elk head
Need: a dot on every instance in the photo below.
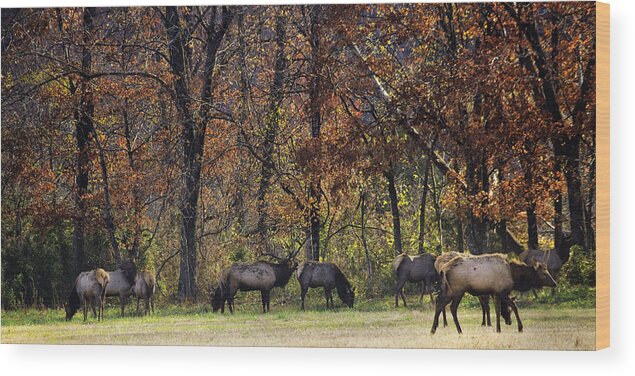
(292, 264)
(130, 269)
(218, 298)
(543, 276)
(349, 297)
(70, 311)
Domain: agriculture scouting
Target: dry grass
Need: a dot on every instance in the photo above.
(545, 328)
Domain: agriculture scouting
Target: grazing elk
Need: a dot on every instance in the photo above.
(121, 282)
(89, 287)
(414, 269)
(489, 274)
(325, 274)
(260, 275)
(143, 288)
(443, 259)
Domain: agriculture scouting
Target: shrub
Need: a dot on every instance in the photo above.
(580, 269)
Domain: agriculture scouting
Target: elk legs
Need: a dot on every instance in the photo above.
(329, 298)
(453, 308)
(264, 294)
(423, 292)
(85, 308)
(484, 300)
(497, 307)
(511, 303)
(399, 291)
(303, 295)
(442, 301)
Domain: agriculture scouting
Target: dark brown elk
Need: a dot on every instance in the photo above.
(328, 275)
(88, 288)
(258, 276)
(554, 258)
(415, 269)
(121, 282)
(143, 288)
(443, 259)
(490, 274)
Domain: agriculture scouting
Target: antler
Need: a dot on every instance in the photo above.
(273, 256)
(290, 255)
(295, 253)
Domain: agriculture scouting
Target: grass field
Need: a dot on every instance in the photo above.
(370, 324)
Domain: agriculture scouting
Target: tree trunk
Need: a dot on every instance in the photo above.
(314, 225)
(459, 236)
(135, 250)
(558, 233)
(532, 227)
(177, 46)
(422, 207)
(394, 208)
(369, 270)
(530, 209)
(271, 131)
(240, 176)
(315, 92)
(437, 210)
(107, 210)
(567, 151)
(477, 181)
(193, 132)
(83, 126)
(566, 147)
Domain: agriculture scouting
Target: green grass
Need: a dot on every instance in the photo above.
(372, 323)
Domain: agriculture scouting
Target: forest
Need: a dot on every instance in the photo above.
(193, 137)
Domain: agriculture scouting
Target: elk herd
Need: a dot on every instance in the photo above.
(446, 278)
(92, 287)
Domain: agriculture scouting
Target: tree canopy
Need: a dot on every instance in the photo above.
(192, 137)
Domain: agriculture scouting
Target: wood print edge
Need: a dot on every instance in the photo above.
(602, 310)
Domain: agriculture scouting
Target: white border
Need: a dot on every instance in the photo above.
(182, 361)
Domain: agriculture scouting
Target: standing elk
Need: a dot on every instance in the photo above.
(258, 276)
(144, 288)
(414, 269)
(443, 259)
(121, 282)
(325, 274)
(89, 287)
(489, 274)
(554, 258)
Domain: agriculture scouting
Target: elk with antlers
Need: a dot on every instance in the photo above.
(258, 276)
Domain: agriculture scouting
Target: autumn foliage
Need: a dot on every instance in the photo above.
(192, 137)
